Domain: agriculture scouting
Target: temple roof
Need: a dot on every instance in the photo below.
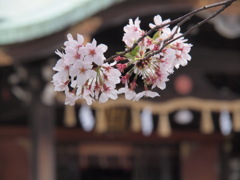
(23, 20)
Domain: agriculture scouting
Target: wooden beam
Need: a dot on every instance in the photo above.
(77, 135)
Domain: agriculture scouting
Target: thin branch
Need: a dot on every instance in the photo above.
(176, 30)
(181, 20)
(189, 30)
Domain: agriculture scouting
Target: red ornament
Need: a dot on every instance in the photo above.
(183, 84)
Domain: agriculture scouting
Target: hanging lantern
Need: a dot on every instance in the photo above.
(146, 122)
(225, 122)
(86, 118)
(183, 117)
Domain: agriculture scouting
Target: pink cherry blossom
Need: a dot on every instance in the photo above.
(87, 95)
(75, 44)
(181, 53)
(108, 92)
(160, 79)
(129, 94)
(83, 71)
(70, 98)
(132, 32)
(60, 81)
(158, 21)
(61, 66)
(71, 56)
(146, 93)
(112, 74)
(94, 53)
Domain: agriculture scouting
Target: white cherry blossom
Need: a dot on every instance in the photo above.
(129, 94)
(108, 92)
(146, 93)
(70, 98)
(60, 81)
(75, 44)
(94, 53)
(132, 32)
(83, 71)
(61, 66)
(158, 21)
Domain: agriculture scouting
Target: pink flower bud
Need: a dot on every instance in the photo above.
(125, 78)
(133, 85)
(119, 58)
(121, 67)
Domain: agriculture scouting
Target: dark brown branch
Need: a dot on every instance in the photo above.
(181, 20)
(189, 30)
(176, 30)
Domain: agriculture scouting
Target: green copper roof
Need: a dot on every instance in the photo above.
(23, 20)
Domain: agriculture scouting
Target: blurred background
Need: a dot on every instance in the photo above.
(191, 132)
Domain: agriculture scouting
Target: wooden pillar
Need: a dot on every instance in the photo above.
(42, 129)
(43, 156)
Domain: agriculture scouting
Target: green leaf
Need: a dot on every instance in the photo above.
(135, 51)
(156, 35)
(129, 55)
(119, 52)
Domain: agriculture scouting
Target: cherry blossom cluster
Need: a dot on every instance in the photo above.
(83, 72)
(154, 58)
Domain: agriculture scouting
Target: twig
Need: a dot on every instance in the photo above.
(181, 20)
(189, 30)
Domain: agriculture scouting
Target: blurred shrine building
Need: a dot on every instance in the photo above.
(191, 132)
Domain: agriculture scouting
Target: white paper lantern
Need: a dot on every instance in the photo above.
(86, 117)
(146, 121)
(183, 117)
(225, 123)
